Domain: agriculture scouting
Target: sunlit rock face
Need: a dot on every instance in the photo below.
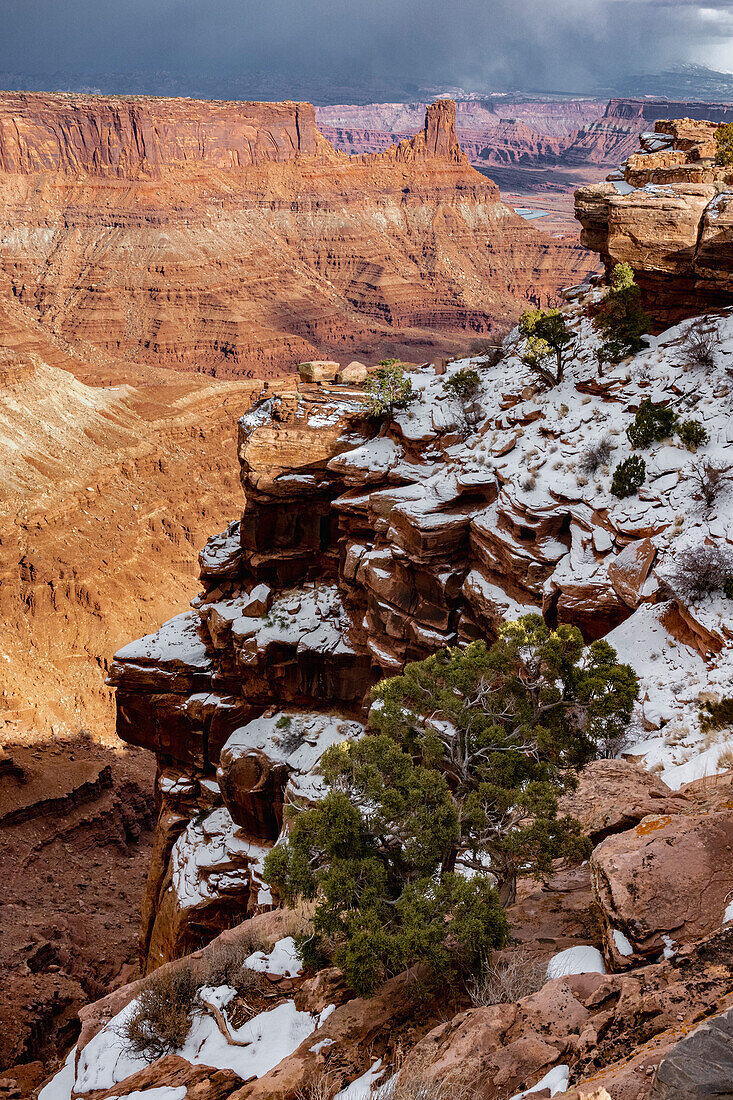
(362, 548)
(232, 238)
(667, 212)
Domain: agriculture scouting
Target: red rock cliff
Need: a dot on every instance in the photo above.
(130, 137)
(231, 238)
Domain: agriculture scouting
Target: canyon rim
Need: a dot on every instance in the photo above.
(366, 560)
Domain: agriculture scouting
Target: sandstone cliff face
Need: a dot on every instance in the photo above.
(234, 240)
(666, 212)
(107, 493)
(364, 546)
(80, 135)
(358, 552)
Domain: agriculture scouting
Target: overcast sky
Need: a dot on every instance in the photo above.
(567, 45)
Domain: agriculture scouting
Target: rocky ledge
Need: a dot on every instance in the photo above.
(363, 546)
(668, 211)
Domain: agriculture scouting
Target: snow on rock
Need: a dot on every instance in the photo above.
(294, 738)
(211, 857)
(583, 959)
(106, 1059)
(166, 1092)
(62, 1083)
(367, 463)
(361, 1088)
(271, 1036)
(177, 642)
(622, 944)
(282, 961)
(556, 1081)
(221, 556)
(311, 618)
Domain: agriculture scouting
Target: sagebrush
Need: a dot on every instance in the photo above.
(164, 1010)
(700, 571)
(507, 980)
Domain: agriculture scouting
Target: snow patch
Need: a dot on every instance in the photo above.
(556, 1081)
(583, 959)
(282, 961)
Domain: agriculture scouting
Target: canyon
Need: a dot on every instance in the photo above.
(363, 546)
(159, 260)
(537, 151)
(360, 547)
(234, 240)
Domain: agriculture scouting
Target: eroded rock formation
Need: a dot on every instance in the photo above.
(666, 212)
(233, 239)
(361, 549)
(363, 546)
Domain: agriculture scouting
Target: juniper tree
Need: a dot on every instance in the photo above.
(388, 390)
(620, 317)
(547, 336)
(470, 752)
(372, 852)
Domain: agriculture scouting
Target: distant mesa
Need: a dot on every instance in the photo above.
(233, 239)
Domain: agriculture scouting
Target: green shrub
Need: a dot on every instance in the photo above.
(622, 278)
(388, 390)
(547, 335)
(470, 753)
(692, 433)
(728, 588)
(463, 384)
(651, 423)
(628, 476)
(164, 1010)
(717, 716)
(620, 317)
(724, 142)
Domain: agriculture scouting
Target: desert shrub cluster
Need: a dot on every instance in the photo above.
(164, 1010)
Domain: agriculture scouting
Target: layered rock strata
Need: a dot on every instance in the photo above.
(666, 211)
(361, 549)
(231, 238)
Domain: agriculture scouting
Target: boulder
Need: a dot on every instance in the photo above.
(354, 373)
(319, 370)
(613, 795)
(664, 883)
(629, 570)
(174, 1073)
(699, 1066)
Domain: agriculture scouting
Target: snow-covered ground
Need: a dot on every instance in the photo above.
(533, 441)
(265, 1040)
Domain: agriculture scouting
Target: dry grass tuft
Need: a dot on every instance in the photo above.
(508, 980)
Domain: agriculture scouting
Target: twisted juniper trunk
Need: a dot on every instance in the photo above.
(508, 891)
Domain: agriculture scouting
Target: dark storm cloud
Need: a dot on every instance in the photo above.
(560, 44)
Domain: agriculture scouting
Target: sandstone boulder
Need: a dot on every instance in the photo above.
(354, 373)
(663, 883)
(174, 1073)
(629, 570)
(319, 370)
(263, 756)
(612, 795)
